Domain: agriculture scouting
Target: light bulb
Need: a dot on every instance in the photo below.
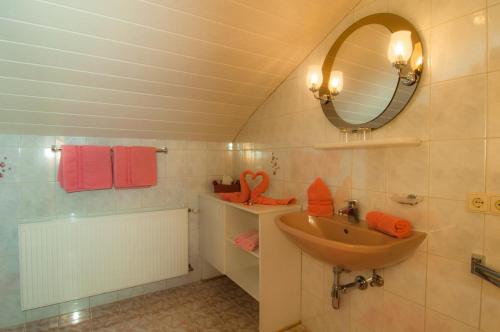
(400, 47)
(314, 77)
(336, 83)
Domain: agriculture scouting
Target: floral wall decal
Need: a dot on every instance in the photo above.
(4, 168)
(274, 163)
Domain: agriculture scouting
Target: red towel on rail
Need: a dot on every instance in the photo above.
(134, 166)
(85, 167)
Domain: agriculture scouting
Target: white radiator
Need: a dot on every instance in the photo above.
(68, 259)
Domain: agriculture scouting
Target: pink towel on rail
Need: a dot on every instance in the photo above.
(134, 166)
(85, 167)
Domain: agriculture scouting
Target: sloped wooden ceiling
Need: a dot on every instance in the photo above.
(178, 69)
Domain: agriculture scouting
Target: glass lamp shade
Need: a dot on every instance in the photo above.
(400, 47)
(314, 77)
(336, 83)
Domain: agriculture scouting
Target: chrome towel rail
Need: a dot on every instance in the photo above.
(164, 149)
(478, 268)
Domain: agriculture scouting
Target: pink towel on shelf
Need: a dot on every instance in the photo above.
(238, 240)
(85, 167)
(250, 243)
(134, 166)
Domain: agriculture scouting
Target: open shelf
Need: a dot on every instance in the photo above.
(254, 253)
(248, 279)
(372, 144)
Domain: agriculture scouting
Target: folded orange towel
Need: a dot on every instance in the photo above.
(388, 224)
(85, 167)
(273, 201)
(244, 195)
(319, 199)
(134, 166)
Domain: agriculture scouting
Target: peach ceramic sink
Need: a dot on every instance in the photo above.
(350, 246)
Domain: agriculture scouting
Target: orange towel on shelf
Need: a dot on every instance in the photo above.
(85, 167)
(257, 198)
(320, 199)
(244, 195)
(134, 166)
(388, 224)
(274, 201)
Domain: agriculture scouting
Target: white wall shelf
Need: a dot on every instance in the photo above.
(372, 143)
(271, 274)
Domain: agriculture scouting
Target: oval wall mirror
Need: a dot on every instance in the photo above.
(371, 72)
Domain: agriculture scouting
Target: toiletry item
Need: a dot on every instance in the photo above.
(227, 180)
(390, 225)
(320, 199)
(85, 167)
(134, 166)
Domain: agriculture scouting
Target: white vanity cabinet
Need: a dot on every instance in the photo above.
(271, 274)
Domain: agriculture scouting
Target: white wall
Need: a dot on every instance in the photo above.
(29, 193)
(456, 112)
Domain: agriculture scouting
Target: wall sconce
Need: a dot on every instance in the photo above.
(399, 53)
(315, 79)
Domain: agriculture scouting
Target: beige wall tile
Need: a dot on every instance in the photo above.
(456, 168)
(494, 38)
(368, 170)
(408, 169)
(408, 278)
(416, 112)
(453, 231)
(458, 48)
(445, 10)
(367, 309)
(415, 11)
(436, 322)
(492, 240)
(493, 104)
(490, 319)
(458, 108)
(369, 7)
(453, 290)
(402, 315)
(493, 166)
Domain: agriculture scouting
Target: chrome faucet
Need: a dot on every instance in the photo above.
(351, 211)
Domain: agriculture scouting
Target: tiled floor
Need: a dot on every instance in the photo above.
(214, 305)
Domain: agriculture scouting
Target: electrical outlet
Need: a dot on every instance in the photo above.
(478, 202)
(495, 204)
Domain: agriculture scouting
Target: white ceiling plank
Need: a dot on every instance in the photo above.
(58, 39)
(54, 105)
(97, 28)
(35, 129)
(57, 119)
(58, 90)
(169, 69)
(163, 18)
(50, 57)
(85, 79)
